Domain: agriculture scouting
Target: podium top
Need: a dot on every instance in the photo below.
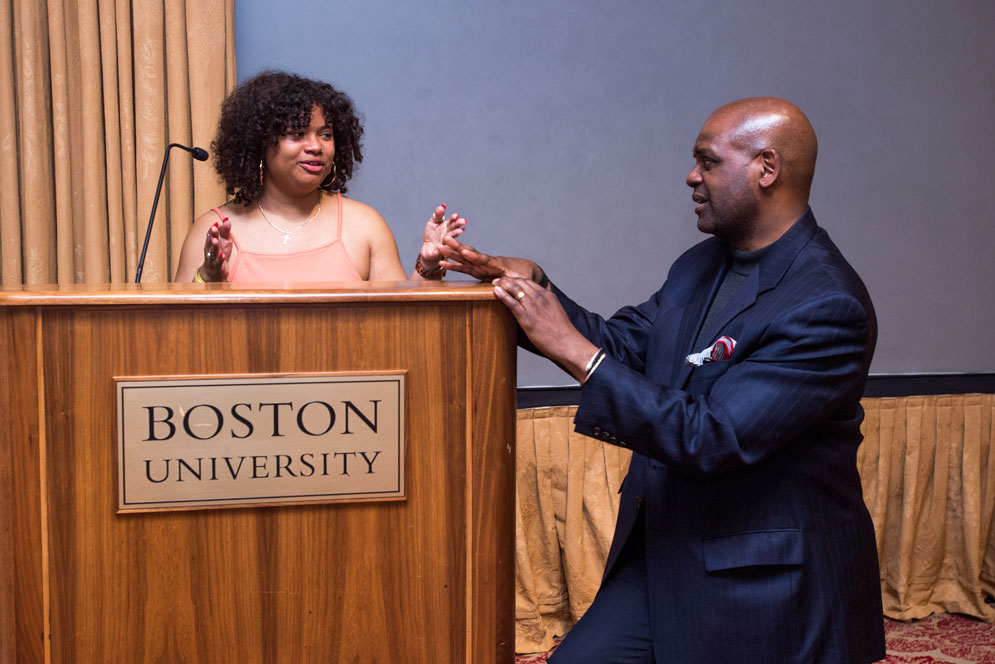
(75, 295)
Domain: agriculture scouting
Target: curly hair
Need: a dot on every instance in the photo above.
(266, 107)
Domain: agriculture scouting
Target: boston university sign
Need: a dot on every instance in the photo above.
(192, 442)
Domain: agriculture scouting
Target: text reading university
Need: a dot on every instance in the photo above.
(188, 442)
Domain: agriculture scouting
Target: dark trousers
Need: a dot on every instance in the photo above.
(616, 629)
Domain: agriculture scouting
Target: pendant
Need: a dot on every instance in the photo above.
(286, 236)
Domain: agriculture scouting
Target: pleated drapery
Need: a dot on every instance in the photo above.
(927, 466)
(567, 502)
(92, 92)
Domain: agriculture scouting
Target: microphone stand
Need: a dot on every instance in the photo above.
(199, 154)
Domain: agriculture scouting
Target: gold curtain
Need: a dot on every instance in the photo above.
(566, 507)
(927, 466)
(92, 92)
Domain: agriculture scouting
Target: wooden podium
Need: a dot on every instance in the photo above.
(428, 579)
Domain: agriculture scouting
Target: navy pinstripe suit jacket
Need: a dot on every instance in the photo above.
(759, 546)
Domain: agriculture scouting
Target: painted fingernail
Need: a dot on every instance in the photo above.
(221, 256)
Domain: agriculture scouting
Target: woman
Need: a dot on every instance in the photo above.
(286, 147)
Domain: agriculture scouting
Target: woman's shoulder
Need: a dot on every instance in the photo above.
(229, 210)
(358, 209)
(362, 217)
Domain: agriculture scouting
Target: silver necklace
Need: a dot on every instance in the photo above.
(286, 233)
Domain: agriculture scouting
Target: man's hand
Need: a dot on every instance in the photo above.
(463, 258)
(542, 318)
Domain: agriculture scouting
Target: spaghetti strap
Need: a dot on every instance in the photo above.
(338, 235)
(222, 217)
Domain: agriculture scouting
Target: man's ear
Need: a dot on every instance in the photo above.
(770, 165)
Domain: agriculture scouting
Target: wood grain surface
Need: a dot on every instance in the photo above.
(428, 579)
(492, 591)
(22, 555)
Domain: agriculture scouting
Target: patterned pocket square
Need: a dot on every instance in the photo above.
(717, 352)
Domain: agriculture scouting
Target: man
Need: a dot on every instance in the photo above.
(742, 535)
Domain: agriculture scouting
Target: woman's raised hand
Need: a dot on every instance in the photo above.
(437, 229)
(217, 251)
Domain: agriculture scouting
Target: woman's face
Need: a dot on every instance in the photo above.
(302, 158)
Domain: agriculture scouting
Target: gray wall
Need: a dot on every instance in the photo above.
(562, 130)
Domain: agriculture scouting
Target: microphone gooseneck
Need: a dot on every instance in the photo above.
(200, 154)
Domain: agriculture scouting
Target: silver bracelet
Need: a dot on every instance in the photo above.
(593, 364)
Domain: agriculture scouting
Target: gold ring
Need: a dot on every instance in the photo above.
(520, 295)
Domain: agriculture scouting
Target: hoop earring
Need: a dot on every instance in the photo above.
(260, 172)
(329, 181)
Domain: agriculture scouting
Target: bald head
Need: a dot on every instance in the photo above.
(754, 162)
(758, 123)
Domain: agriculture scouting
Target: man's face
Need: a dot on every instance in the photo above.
(724, 180)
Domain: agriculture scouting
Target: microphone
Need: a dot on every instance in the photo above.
(200, 154)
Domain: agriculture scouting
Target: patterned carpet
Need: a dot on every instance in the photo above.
(939, 639)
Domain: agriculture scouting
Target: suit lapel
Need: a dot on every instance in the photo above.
(694, 314)
(766, 276)
(742, 300)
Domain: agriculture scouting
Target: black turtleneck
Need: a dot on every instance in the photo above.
(740, 266)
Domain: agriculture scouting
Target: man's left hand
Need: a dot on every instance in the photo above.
(544, 321)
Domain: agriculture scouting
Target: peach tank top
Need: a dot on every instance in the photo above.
(329, 262)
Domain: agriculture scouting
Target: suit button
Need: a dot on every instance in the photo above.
(612, 439)
(596, 431)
